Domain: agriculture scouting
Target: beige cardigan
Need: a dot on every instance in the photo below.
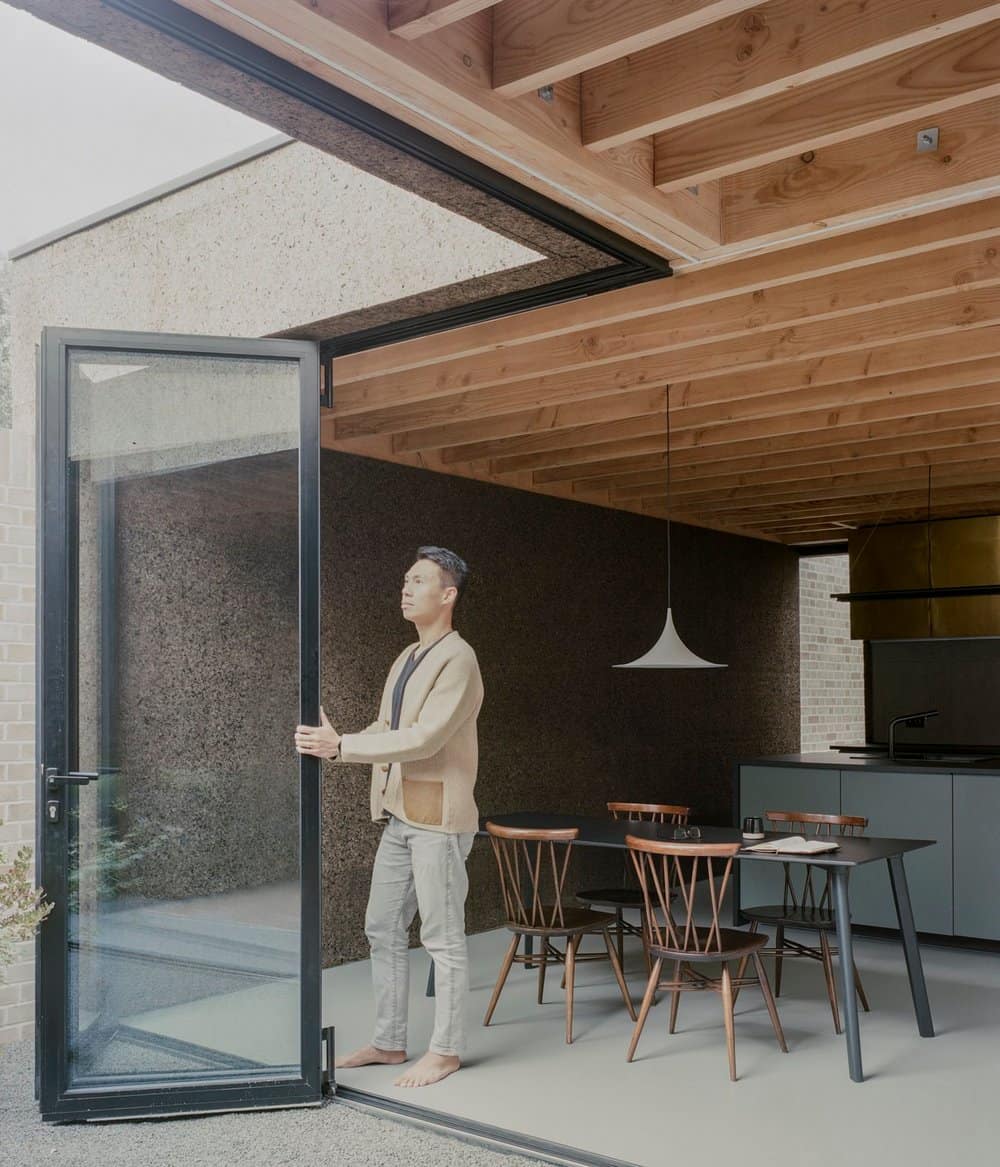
(425, 771)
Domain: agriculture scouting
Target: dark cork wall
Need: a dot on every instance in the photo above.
(207, 596)
(560, 592)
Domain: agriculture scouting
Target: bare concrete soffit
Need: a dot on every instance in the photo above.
(159, 52)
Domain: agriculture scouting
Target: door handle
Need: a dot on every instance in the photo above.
(53, 779)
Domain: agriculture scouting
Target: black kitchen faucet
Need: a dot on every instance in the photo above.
(911, 721)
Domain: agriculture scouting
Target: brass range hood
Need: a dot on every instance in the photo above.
(938, 578)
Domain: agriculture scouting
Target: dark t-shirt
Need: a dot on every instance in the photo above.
(408, 670)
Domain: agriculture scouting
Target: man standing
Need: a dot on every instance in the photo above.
(424, 753)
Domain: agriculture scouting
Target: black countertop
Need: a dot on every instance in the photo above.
(849, 761)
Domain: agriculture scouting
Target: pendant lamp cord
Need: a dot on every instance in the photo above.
(668, 498)
(930, 582)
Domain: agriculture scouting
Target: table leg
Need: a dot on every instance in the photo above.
(911, 950)
(840, 877)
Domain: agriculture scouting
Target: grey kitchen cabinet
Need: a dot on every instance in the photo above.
(764, 788)
(903, 806)
(977, 855)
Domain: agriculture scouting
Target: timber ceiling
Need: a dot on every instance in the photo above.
(831, 340)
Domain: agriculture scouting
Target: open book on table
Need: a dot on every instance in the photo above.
(795, 845)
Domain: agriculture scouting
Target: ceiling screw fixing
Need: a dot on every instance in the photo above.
(547, 93)
(927, 140)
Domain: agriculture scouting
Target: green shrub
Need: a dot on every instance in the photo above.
(22, 905)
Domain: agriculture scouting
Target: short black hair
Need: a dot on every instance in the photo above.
(453, 567)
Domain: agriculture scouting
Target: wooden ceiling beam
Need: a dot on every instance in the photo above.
(769, 437)
(614, 407)
(757, 53)
(410, 19)
(832, 530)
(842, 486)
(947, 448)
(695, 432)
(879, 173)
(821, 313)
(959, 443)
(547, 428)
(861, 510)
(822, 258)
(906, 362)
(537, 42)
(928, 318)
(441, 84)
(923, 82)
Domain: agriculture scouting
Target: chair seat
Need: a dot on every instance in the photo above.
(613, 897)
(732, 943)
(819, 919)
(574, 920)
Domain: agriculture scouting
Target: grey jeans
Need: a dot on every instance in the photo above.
(416, 868)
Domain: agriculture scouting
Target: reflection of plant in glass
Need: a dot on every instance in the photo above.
(22, 906)
(109, 859)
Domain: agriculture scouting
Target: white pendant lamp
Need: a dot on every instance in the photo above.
(669, 652)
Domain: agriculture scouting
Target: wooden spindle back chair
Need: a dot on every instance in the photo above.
(668, 875)
(532, 866)
(650, 812)
(628, 896)
(806, 905)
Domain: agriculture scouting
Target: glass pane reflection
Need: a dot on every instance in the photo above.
(184, 855)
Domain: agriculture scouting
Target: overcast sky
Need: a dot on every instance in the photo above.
(81, 129)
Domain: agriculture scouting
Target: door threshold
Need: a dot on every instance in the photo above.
(480, 1133)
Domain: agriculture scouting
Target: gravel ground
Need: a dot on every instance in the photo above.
(334, 1133)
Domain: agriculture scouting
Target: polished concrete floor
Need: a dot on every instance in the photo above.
(924, 1100)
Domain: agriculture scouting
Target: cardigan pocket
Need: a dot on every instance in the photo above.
(423, 802)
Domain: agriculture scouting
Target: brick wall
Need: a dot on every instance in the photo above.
(17, 689)
(832, 665)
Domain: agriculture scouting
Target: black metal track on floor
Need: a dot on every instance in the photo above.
(479, 1132)
(635, 264)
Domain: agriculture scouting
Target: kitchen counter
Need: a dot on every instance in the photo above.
(954, 885)
(848, 761)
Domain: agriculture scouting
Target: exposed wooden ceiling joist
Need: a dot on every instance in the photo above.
(833, 332)
(536, 42)
(757, 53)
(412, 18)
(872, 175)
(920, 83)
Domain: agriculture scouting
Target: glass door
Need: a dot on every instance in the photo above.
(178, 648)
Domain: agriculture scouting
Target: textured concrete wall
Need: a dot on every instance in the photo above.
(560, 592)
(287, 238)
(833, 671)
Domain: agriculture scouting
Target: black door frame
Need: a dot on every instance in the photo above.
(57, 603)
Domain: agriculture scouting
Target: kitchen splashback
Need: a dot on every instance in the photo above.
(961, 678)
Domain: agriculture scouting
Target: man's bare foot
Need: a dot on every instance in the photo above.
(431, 1068)
(370, 1055)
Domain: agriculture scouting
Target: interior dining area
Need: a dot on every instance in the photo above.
(756, 331)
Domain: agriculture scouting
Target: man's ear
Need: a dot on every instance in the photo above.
(446, 599)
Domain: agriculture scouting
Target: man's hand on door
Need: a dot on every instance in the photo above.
(321, 741)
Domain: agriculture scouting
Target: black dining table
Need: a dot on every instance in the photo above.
(851, 853)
